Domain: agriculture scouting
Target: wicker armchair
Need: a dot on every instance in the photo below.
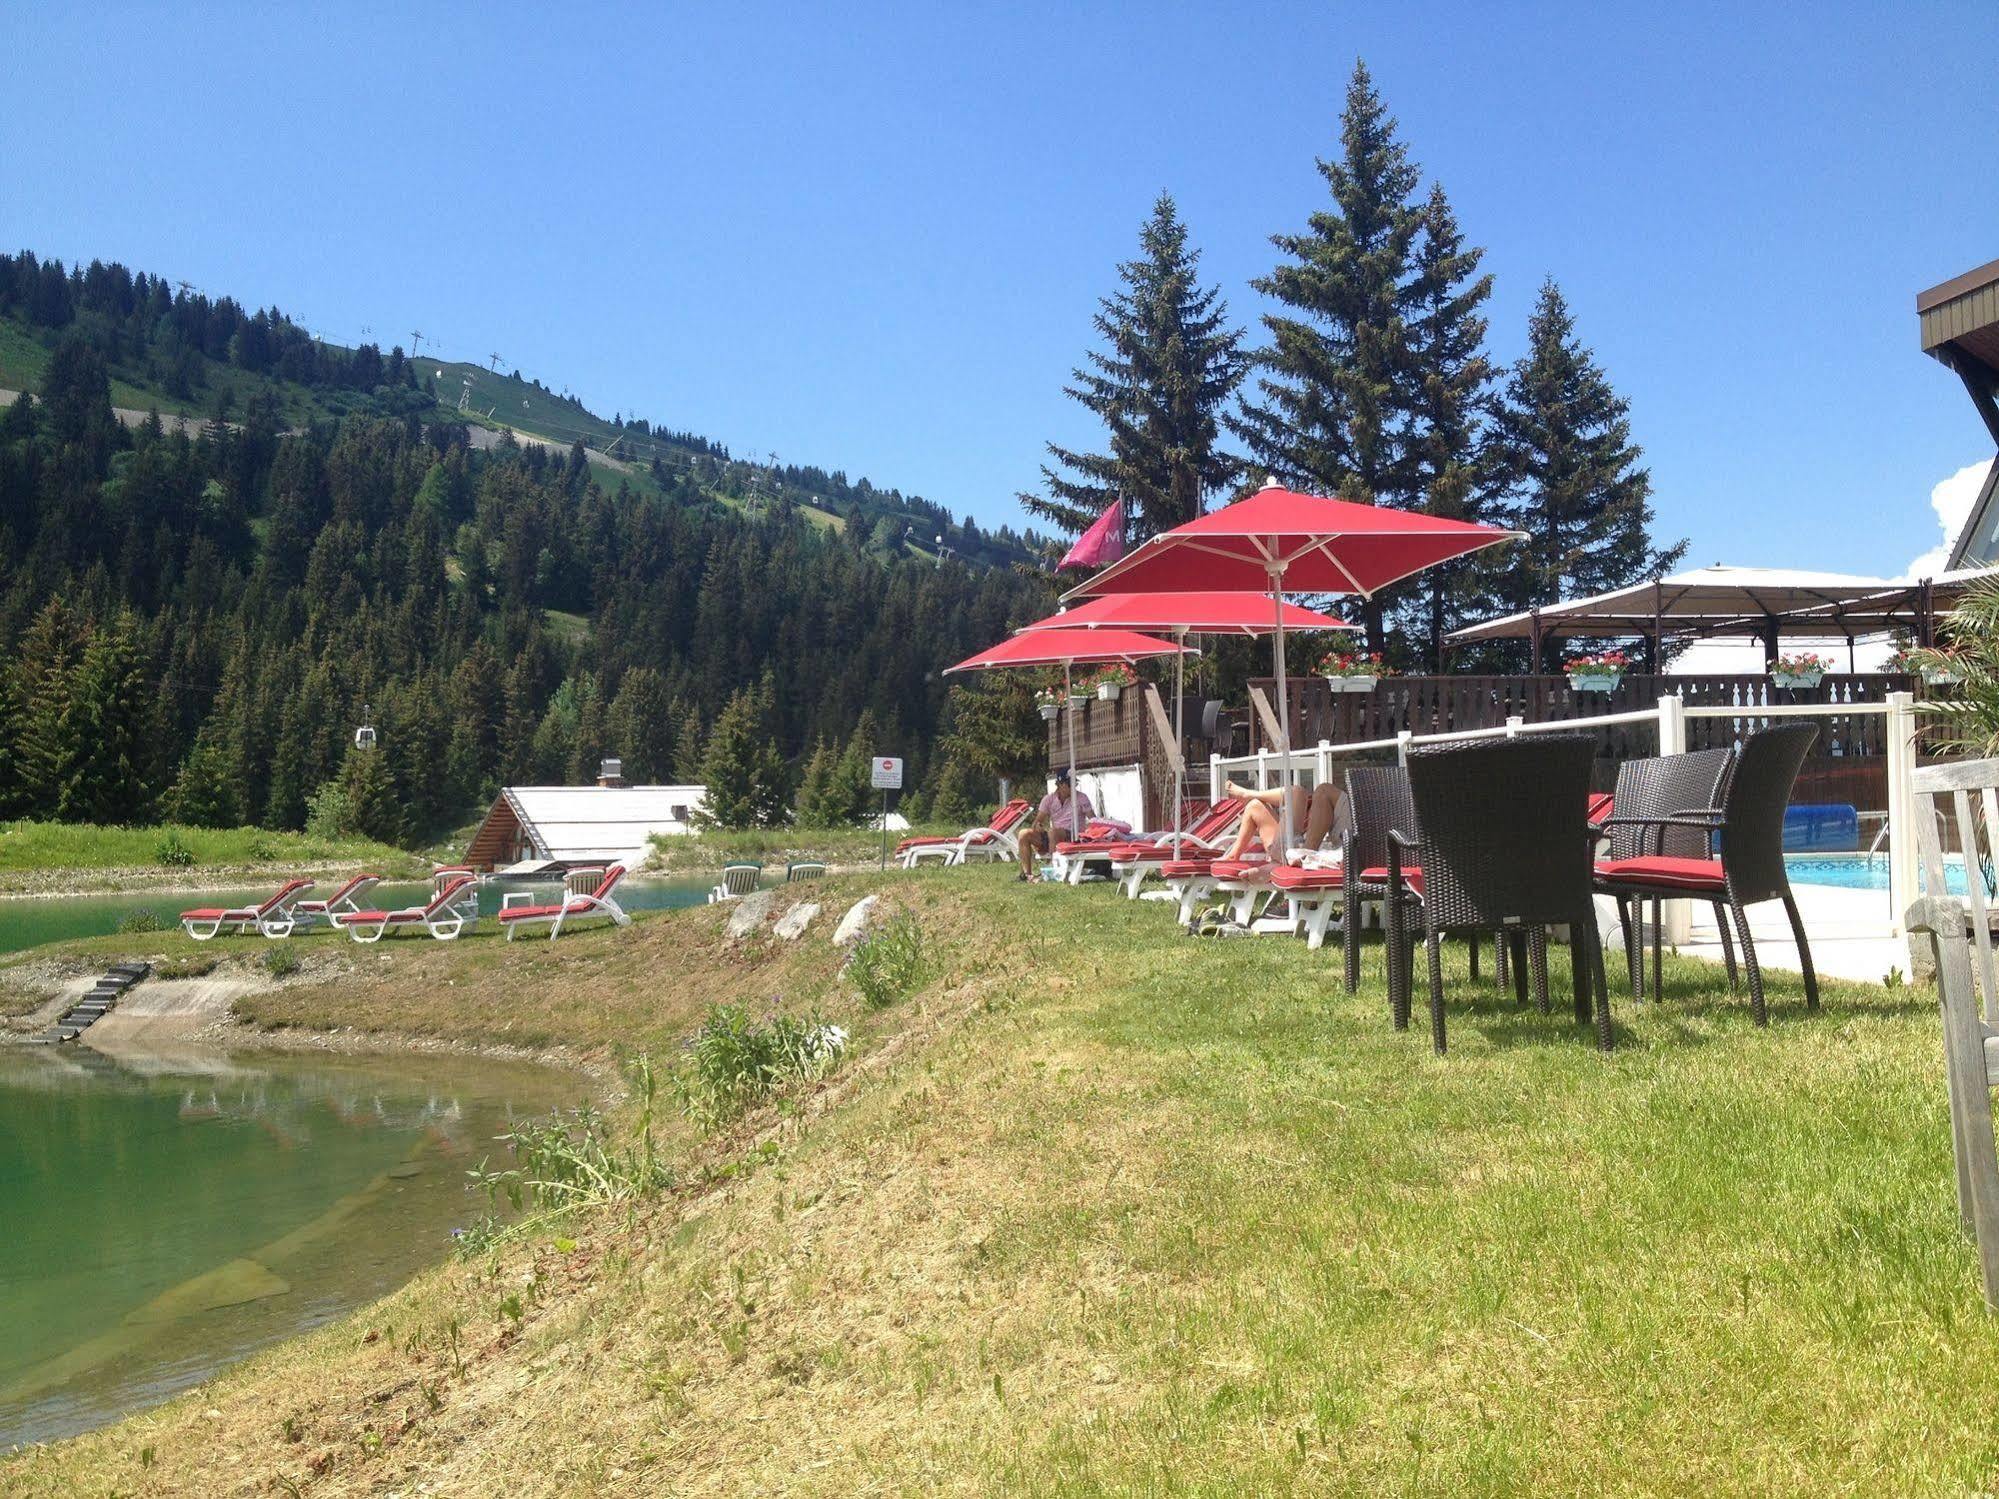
(1506, 847)
(1750, 867)
(1659, 787)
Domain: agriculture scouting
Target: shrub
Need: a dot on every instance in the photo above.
(261, 849)
(736, 1060)
(888, 964)
(330, 811)
(571, 1160)
(173, 852)
(133, 922)
(282, 961)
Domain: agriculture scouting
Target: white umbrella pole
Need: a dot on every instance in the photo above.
(1283, 724)
(1069, 706)
(1179, 735)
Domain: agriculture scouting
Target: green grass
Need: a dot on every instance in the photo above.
(708, 851)
(570, 629)
(56, 849)
(1104, 1209)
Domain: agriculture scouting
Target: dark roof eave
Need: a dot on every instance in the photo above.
(1957, 286)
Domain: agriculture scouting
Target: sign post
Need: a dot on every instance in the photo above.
(886, 776)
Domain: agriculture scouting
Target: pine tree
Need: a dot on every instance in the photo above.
(850, 794)
(1575, 485)
(813, 810)
(49, 739)
(204, 793)
(374, 810)
(1336, 381)
(1450, 399)
(995, 730)
(741, 769)
(640, 727)
(689, 749)
(111, 698)
(1169, 364)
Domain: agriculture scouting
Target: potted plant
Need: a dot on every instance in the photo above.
(1805, 669)
(1113, 680)
(1351, 671)
(1049, 701)
(1600, 672)
(1935, 667)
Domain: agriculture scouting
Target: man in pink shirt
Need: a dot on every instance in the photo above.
(1061, 815)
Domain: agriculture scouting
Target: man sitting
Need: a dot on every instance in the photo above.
(1061, 814)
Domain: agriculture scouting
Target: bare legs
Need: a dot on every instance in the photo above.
(1314, 813)
(1030, 843)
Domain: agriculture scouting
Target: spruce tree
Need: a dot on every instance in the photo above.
(49, 740)
(1329, 411)
(204, 793)
(741, 769)
(111, 698)
(640, 727)
(374, 810)
(814, 785)
(1575, 485)
(1169, 363)
(1450, 399)
(995, 729)
(689, 748)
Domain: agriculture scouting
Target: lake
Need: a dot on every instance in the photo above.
(166, 1216)
(29, 921)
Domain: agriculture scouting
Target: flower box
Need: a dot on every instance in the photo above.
(1595, 681)
(1051, 711)
(1108, 691)
(1941, 676)
(1797, 680)
(1352, 683)
(1077, 699)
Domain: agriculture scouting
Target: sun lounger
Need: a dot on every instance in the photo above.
(273, 918)
(800, 870)
(522, 909)
(737, 880)
(1132, 864)
(993, 841)
(309, 915)
(444, 917)
(1193, 880)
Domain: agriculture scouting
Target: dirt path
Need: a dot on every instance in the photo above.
(131, 418)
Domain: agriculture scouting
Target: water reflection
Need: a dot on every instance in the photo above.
(165, 1217)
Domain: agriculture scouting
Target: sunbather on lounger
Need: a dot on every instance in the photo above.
(1061, 814)
(1313, 816)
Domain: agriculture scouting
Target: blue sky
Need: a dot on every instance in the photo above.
(872, 237)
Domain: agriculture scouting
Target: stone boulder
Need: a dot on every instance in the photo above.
(854, 925)
(792, 924)
(750, 913)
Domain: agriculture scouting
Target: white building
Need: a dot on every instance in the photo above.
(608, 823)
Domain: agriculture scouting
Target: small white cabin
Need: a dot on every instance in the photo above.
(581, 825)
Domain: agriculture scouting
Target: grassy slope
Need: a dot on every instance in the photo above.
(776, 847)
(1174, 1217)
(46, 854)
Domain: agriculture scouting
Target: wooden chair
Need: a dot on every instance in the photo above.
(1971, 1065)
(1965, 792)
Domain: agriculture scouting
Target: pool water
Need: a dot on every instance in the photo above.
(29, 921)
(166, 1216)
(1857, 871)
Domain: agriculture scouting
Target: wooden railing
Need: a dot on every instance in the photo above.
(1848, 764)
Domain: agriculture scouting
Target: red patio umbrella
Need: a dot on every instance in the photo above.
(1185, 614)
(1064, 648)
(1278, 541)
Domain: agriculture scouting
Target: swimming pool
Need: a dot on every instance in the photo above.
(1857, 871)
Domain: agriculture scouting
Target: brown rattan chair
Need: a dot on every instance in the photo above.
(1506, 847)
(1750, 867)
(1659, 786)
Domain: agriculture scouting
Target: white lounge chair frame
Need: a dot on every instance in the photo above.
(273, 918)
(738, 880)
(578, 905)
(444, 918)
(1132, 873)
(311, 915)
(974, 845)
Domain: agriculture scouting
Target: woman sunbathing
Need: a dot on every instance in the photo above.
(1314, 812)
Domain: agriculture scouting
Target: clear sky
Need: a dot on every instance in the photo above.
(872, 237)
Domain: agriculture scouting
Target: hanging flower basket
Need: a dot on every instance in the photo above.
(1934, 667)
(1077, 699)
(1597, 673)
(1108, 691)
(1799, 672)
(1112, 681)
(1347, 671)
(1941, 676)
(1051, 711)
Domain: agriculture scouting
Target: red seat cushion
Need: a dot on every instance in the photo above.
(1237, 869)
(1664, 871)
(1291, 877)
(1187, 869)
(1411, 877)
(206, 913)
(523, 913)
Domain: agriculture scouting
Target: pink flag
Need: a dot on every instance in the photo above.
(1102, 543)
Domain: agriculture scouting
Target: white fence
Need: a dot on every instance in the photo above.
(1315, 764)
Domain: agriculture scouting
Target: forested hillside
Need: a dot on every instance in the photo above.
(194, 621)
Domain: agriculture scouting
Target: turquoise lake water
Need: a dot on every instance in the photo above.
(163, 1217)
